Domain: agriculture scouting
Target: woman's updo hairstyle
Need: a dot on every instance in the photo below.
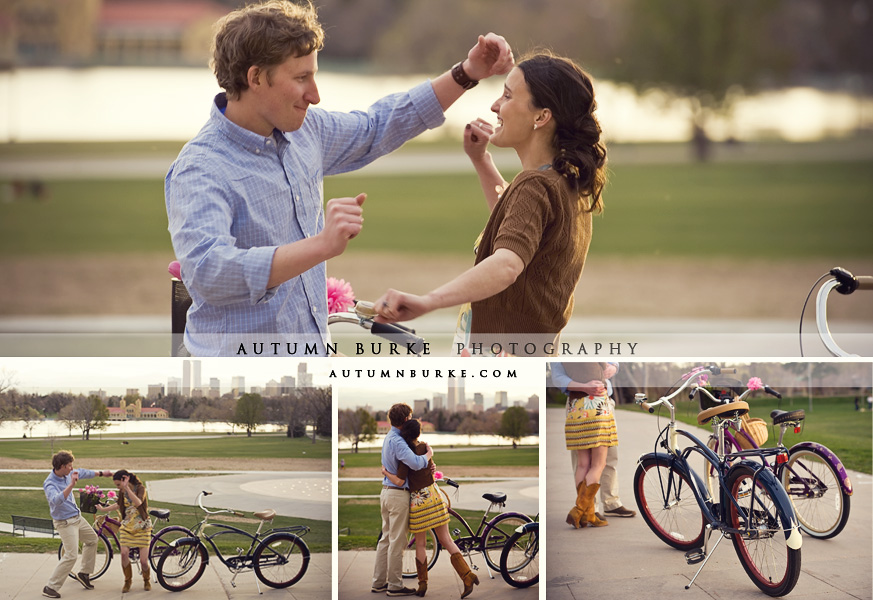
(566, 90)
(410, 431)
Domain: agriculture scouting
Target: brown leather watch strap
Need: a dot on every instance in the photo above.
(461, 78)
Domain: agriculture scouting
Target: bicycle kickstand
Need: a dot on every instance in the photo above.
(695, 556)
(487, 568)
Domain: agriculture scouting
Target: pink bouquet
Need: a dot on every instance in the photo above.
(438, 475)
(755, 383)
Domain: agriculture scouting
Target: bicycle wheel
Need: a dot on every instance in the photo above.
(519, 560)
(432, 549)
(182, 565)
(667, 503)
(497, 533)
(161, 541)
(281, 560)
(104, 555)
(761, 545)
(812, 483)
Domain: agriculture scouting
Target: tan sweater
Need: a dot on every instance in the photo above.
(540, 219)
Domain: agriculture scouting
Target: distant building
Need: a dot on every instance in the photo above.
(99, 393)
(419, 407)
(272, 389)
(501, 400)
(304, 379)
(288, 383)
(456, 393)
(237, 386)
(134, 410)
(132, 392)
(174, 386)
(439, 401)
(478, 402)
(156, 391)
(112, 32)
(214, 387)
(533, 403)
(383, 427)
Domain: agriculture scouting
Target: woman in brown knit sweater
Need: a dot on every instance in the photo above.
(531, 253)
(428, 510)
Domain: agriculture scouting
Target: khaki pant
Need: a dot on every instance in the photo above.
(395, 527)
(72, 531)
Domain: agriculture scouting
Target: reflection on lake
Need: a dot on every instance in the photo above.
(120, 104)
(51, 427)
(448, 440)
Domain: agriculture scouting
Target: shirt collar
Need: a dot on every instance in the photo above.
(248, 140)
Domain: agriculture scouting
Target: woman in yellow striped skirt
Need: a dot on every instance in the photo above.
(589, 431)
(428, 510)
(136, 527)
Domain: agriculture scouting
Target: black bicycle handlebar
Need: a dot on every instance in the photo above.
(772, 392)
(400, 334)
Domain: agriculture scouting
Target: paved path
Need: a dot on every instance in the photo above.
(24, 576)
(355, 575)
(290, 493)
(626, 560)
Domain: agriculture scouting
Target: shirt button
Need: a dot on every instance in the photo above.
(257, 151)
(314, 310)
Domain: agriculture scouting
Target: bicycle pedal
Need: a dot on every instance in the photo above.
(475, 567)
(692, 557)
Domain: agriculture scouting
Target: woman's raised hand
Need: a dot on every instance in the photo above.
(476, 136)
(396, 306)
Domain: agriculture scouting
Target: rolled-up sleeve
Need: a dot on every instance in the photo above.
(201, 221)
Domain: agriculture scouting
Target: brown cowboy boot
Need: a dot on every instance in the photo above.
(421, 569)
(146, 579)
(590, 515)
(467, 576)
(576, 517)
(128, 577)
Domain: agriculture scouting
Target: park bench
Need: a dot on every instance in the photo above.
(34, 524)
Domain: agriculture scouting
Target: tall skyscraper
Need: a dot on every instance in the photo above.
(304, 379)
(214, 387)
(287, 384)
(238, 385)
(501, 400)
(174, 386)
(186, 378)
(456, 394)
(195, 374)
(478, 402)
(419, 407)
(439, 401)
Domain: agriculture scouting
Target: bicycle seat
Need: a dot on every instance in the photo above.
(738, 408)
(498, 498)
(781, 416)
(160, 513)
(266, 515)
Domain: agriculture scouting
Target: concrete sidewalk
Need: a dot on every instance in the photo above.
(626, 560)
(24, 576)
(356, 577)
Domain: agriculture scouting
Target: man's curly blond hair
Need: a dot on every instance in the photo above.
(262, 35)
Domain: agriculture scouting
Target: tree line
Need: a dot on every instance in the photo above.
(301, 409)
(360, 426)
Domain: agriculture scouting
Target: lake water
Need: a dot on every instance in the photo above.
(119, 104)
(50, 427)
(448, 440)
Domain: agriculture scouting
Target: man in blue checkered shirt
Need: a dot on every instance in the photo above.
(245, 196)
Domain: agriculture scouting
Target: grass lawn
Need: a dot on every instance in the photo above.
(523, 456)
(360, 523)
(765, 211)
(236, 446)
(32, 503)
(834, 422)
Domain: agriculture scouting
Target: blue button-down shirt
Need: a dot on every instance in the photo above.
(60, 507)
(394, 451)
(234, 196)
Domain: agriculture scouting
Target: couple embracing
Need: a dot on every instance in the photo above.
(411, 502)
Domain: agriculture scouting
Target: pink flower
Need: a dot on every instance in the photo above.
(340, 296)
(438, 475)
(755, 383)
(112, 495)
(175, 269)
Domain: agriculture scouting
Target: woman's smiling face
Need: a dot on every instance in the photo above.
(515, 112)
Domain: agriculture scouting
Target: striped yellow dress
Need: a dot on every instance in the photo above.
(590, 423)
(135, 532)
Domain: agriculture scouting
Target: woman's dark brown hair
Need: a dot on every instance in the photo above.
(410, 431)
(138, 488)
(566, 90)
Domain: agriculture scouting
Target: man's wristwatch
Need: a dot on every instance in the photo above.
(461, 78)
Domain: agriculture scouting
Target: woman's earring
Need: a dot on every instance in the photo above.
(535, 125)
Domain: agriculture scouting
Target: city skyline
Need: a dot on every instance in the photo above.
(115, 376)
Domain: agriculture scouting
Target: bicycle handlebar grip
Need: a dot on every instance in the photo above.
(648, 407)
(865, 282)
(451, 482)
(772, 392)
(730, 371)
(400, 334)
(205, 493)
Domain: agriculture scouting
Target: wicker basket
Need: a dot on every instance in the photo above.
(757, 430)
